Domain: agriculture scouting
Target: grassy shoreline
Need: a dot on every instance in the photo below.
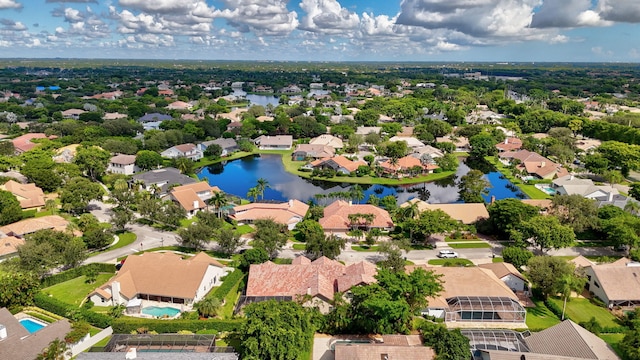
(530, 190)
(292, 167)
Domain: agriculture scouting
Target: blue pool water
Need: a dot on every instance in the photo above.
(160, 311)
(31, 325)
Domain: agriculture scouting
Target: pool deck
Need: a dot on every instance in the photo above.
(149, 303)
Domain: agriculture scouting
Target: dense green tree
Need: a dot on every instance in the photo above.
(17, 288)
(506, 215)
(77, 193)
(448, 162)
(10, 210)
(621, 156)
(97, 238)
(516, 255)
(447, 344)
(576, 211)
(253, 256)
(228, 241)
(329, 246)
(270, 236)
(634, 190)
(213, 151)
(92, 161)
(545, 233)
(185, 165)
(392, 252)
(56, 350)
(630, 344)
(208, 307)
(276, 330)
(148, 160)
(472, 186)
(7, 148)
(46, 249)
(429, 222)
(414, 287)
(39, 168)
(196, 235)
(547, 272)
(482, 145)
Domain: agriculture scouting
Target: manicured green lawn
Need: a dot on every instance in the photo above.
(299, 247)
(497, 259)
(226, 312)
(75, 290)
(125, 239)
(448, 239)
(540, 317)
(582, 310)
(451, 262)
(613, 340)
(469, 245)
(373, 248)
(244, 229)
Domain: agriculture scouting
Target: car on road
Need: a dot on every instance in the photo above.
(447, 254)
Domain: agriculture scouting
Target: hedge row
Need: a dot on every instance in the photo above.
(229, 282)
(126, 325)
(76, 272)
(58, 307)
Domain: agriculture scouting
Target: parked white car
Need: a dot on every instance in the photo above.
(447, 254)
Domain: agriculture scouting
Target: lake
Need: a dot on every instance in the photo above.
(236, 177)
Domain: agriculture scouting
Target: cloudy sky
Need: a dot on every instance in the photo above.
(333, 30)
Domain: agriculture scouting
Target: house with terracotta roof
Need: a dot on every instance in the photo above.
(509, 275)
(338, 163)
(189, 151)
(319, 279)
(310, 151)
(123, 164)
(179, 105)
(27, 226)
(29, 195)
(465, 213)
(533, 163)
(9, 246)
(166, 278)
(474, 297)
(509, 144)
(16, 342)
(24, 142)
(392, 347)
(407, 165)
(617, 284)
(327, 140)
(279, 142)
(336, 217)
(287, 213)
(193, 197)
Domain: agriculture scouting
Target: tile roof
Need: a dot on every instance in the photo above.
(411, 141)
(404, 163)
(9, 244)
(317, 151)
(571, 340)
(187, 195)
(29, 195)
(510, 144)
(23, 143)
(123, 159)
(328, 140)
(282, 213)
(466, 213)
(279, 140)
(618, 281)
(336, 215)
(503, 269)
(162, 274)
(535, 163)
(339, 161)
(185, 147)
(359, 351)
(321, 277)
(29, 226)
(581, 261)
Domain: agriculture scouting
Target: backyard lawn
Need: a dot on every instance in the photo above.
(75, 290)
(451, 262)
(582, 310)
(540, 317)
(469, 245)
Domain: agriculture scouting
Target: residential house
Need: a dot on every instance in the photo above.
(123, 164)
(193, 197)
(73, 114)
(392, 347)
(154, 117)
(427, 150)
(327, 140)
(336, 217)
(571, 185)
(161, 277)
(534, 164)
(319, 280)
(588, 145)
(18, 343)
(287, 213)
(234, 127)
(28, 226)
(564, 341)
(412, 142)
(179, 105)
(509, 275)
(161, 178)
(309, 151)
(338, 163)
(228, 145)
(29, 195)
(189, 151)
(408, 164)
(279, 142)
(23, 143)
(474, 297)
(617, 284)
(9, 246)
(461, 143)
(366, 130)
(509, 144)
(465, 213)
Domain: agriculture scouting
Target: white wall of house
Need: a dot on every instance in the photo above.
(437, 313)
(99, 300)
(210, 279)
(128, 169)
(595, 286)
(171, 153)
(514, 282)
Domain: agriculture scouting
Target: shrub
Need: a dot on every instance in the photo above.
(80, 329)
(229, 282)
(58, 307)
(127, 325)
(516, 255)
(592, 325)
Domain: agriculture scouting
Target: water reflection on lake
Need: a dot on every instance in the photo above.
(238, 176)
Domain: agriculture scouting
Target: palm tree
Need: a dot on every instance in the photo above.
(253, 193)
(633, 207)
(411, 211)
(50, 205)
(57, 350)
(218, 200)
(262, 184)
(208, 307)
(568, 284)
(357, 193)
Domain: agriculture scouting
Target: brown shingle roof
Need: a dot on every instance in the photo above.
(466, 213)
(185, 147)
(29, 226)
(619, 282)
(571, 340)
(123, 159)
(9, 244)
(162, 274)
(187, 195)
(359, 351)
(29, 195)
(282, 213)
(503, 269)
(336, 216)
(322, 277)
(339, 161)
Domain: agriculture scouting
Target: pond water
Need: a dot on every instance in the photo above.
(255, 99)
(236, 177)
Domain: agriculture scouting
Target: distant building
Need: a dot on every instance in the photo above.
(228, 145)
(287, 213)
(29, 196)
(153, 117)
(123, 164)
(162, 178)
(279, 142)
(189, 151)
(336, 217)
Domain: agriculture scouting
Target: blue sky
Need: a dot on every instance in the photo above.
(324, 30)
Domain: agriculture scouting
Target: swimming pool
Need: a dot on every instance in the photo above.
(160, 311)
(32, 325)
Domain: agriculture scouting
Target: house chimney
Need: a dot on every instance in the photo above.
(290, 203)
(3, 332)
(196, 204)
(493, 199)
(131, 354)
(506, 141)
(115, 292)
(350, 202)
(571, 177)
(542, 164)
(611, 195)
